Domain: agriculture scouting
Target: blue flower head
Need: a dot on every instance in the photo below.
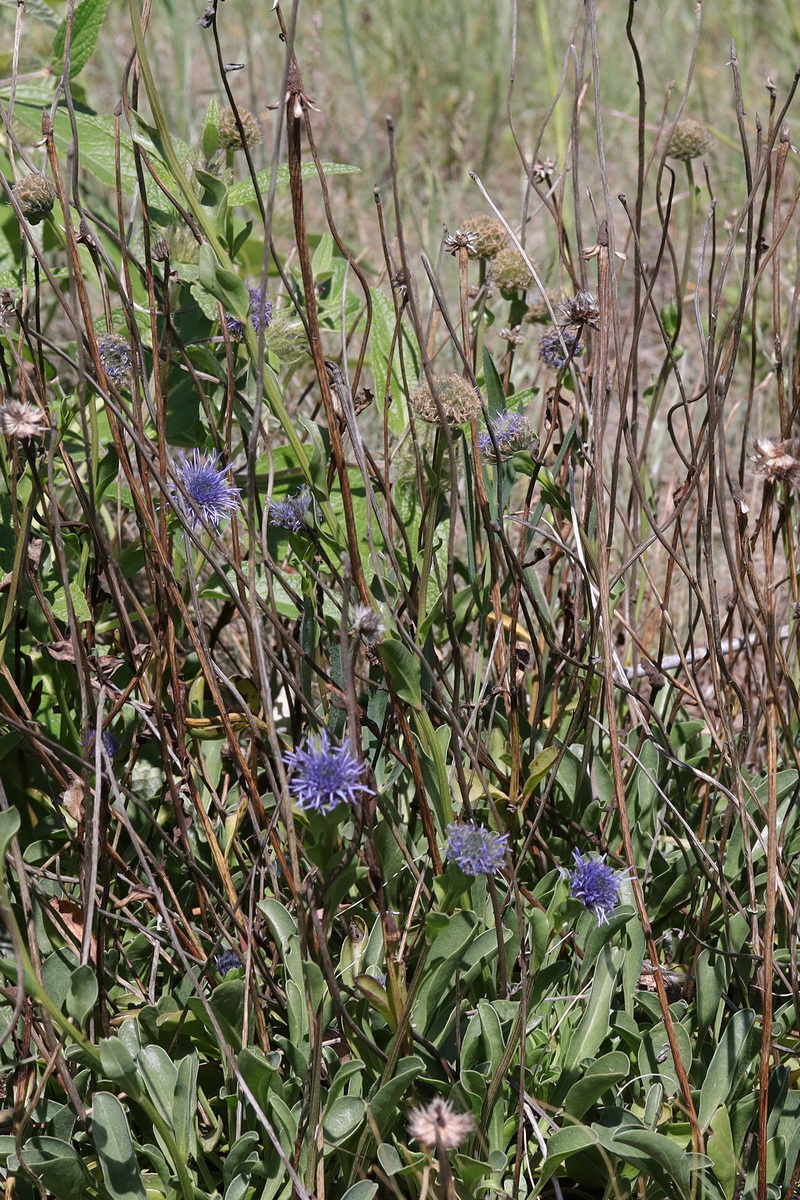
(595, 884)
(551, 346)
(111, 743)
(115, 355)
(260, 312)
(227, 961)
(512, 432)
(293, 512)
(475, 849)
(213, 496)
(322, 775)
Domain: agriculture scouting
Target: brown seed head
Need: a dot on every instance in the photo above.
(35, 196)
(689, 139)
(438, 1125)
(229, 136)
(459, 401)
(778, 462)
(582, 310)
(462, 239)
(510, 271)
(489, 234)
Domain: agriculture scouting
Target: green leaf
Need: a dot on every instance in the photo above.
(79, 605)
(211, 129)
(593, 1028)
(343, 1118)
(184, 1104)
(383, 1105)
(727, 1067)
(60, 1169)
(118, 1066)
(9, 824)
(82, 994)
(159, 1074)
(223, 285)
(662, 1151)
(403, 669)
(719, 1147)
(602, 1074)
(572, 1139)
(711, 982)
(245, 193)
(112, 1140)
(540, 767)
(86, 25)
(494, 386)
(363, 1190)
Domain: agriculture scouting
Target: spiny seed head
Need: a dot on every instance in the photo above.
(438, 1126)
(227, 961)
(475, 849)
(367, 624)
(462, 239)
(459, 401)
(553, 343)
(512, 432)
(229, 136)
(489, 235)
(260, 310)
(583, 310)
(20, 420)
(213, 496)
(543, 169)
(510, 271)
(295, 512)
(778, 462)
(115, 355)
(595, 884)
(689, 139)
(35, 196)
(323, 776)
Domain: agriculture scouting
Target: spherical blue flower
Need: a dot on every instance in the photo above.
(111, 743)
(227, 961)
(322, 775)
(115, 355)
(595, 884)
(213, 496)
(512, 432)
(260, 311)
(293, 512)
(551, 347)
(475, 849)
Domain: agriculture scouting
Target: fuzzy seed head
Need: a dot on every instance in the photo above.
(510, 271)
(778, 462)
(20, 420)
(323, 776)
(213, 496)
(438, 1126)
(229, 136)
(459, 401)
(689, 139)
(367, 624)
(488, 233)
(475, 849)
(36, 196)
(543, 169)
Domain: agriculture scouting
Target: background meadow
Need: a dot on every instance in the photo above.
(399, 721)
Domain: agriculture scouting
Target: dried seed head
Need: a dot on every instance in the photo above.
(582, 310)
(462, 239)
(35, 196)
(538, 313)
(20, 420)
(459, 401)
(510, 271)
(489, 234)
(543, 169)
(229, 136)
(778, 462)
(512, 336)
(367, 624)
(689, 139)
(438, 1125)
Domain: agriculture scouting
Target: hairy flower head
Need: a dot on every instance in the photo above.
(322, 776)
(213, 497)
(512, 432)
(583, 310)
(475, 849)
(294, 512)
(595, 884)
(20, 420)
(510, 271)
(458, 399)
(35, 196)
(438, 1126)
(260, 312)
(552, 346)
(227, 961)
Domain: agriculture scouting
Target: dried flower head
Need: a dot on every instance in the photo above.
(438, 1126)
(475, 849)
(20, 420)
(260, 310)
(778, 462)
(583, 310)
(559, 345)
(35, 196)
(512, 336)
(595, 884)
(489, 234)
(367, 624)
(213, 497)
(689, 139)
(462, 239)
(543, 169)
(512, 432)
(295, 512)
(229, 136)
(458, 399)
(227, 961)
(115, 355)
(510, 271)
(323, 776)
(538, 311)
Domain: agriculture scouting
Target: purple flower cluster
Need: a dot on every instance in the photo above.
(595, 884)
(213, 496)
(553, 342)
(293, 512)
(475, 849)
(227, 961)
(323, 776)
(512, 432)
(260, 313)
